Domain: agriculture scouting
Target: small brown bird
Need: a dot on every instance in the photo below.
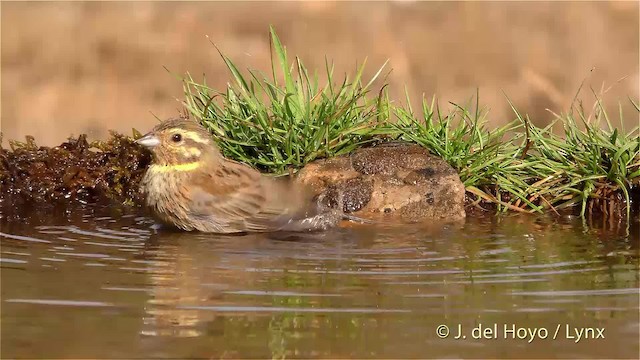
(190, 185)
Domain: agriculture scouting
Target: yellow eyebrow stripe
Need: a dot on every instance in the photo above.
(170, 168)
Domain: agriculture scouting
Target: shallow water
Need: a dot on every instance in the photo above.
(100, 282)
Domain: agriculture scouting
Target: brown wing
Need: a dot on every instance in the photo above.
(289, 207)
(234, 197)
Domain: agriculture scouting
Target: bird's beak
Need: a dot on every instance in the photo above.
(149, 141)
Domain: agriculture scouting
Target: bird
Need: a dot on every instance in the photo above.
(190, 185)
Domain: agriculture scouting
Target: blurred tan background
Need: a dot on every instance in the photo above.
(73, 67)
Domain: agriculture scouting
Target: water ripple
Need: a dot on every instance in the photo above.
(279, 293)
(628, 291)
(12, 261)
(24, 238)
(271, 309)
(61, 302)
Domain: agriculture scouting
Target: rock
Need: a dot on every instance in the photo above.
(395, 179)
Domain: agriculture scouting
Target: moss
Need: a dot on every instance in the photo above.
(76, 169)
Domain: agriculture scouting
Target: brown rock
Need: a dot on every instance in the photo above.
(395, 179)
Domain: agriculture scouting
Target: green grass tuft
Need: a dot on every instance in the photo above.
(274, 124)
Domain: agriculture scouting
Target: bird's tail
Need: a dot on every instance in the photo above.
(318, 217)
(317, 222)
(321, 221)
(356, 219)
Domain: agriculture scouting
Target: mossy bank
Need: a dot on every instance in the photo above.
(279, 123)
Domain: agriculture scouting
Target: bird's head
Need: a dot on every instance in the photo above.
(180, 142)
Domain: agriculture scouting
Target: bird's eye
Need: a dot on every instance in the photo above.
(176, 137)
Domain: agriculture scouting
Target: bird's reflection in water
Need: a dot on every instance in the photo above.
(202, 283)
(191, 272)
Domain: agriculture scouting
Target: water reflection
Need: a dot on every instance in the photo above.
(102, 282)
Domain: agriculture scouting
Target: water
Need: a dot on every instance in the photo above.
(100, 282)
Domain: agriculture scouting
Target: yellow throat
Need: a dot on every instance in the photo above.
(171, 168)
